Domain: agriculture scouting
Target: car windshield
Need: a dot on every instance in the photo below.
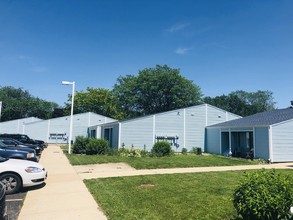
(2, 159)
(16, 141)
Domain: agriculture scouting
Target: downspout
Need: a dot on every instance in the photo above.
(206, 115)
(89, 121)
(184, 128)
(271, 158)
(230, 143)
(154, 129)
(119, 136)
(48, 131)
(253, 141)
(220, 131)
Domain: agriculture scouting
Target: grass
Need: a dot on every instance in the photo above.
(190, 160)
(177, 196)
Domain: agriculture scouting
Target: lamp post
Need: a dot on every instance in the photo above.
(71, 115)
(0, 109)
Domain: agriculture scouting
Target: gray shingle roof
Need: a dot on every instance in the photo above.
(260, 119)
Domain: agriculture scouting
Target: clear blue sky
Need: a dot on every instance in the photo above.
(222, 45)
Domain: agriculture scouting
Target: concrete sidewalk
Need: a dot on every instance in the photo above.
(122, 169)
(63, 197)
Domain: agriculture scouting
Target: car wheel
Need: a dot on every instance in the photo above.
(11, 181)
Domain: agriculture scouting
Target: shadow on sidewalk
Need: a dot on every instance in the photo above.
(32, 188)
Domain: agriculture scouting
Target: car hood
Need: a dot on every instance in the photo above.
(26, 149)
(20, 163)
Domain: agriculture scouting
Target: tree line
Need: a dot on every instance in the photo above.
(152, 90)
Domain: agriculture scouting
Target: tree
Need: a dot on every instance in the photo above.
(18, 103)
(155, 90)
(97, 100)
(244, 103)
(259, 101)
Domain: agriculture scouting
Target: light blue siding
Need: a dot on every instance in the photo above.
(231, 116)
(215, 115)
(241, 129)
(213, 140)
(138, 133)
(16, 126)
(195, 127)
(96, 119)
(187, 124)
(282, 142)
(113, 143)
(171, 124)
(47, 130)
(37, 130)
(261, 147)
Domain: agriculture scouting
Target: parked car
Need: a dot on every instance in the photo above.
(15, 143)
(15, 174)
(24, 139)
(17, 152)
(3, 207)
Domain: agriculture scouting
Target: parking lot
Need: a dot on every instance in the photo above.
(14, 202)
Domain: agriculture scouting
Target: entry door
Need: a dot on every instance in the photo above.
(108, 135)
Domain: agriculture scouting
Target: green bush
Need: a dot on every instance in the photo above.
(97, 146)
(161, 149)
(264, 195)
(144, 152)
(112, 152)
(79, 146)
(184, 151)
(196, 150)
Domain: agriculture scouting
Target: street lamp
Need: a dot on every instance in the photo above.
(0, 109)
(71, 115)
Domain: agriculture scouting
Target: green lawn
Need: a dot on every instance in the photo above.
(177, 196)
(190, 160)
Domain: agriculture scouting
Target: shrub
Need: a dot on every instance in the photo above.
(144, 152)
(79, 146)
(161, 149)
(124, 152)
(196, 150)
(184, 151)
(264, 195)
(112, 152)
(97, 146)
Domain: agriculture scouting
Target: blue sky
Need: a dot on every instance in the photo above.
(223, 46)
